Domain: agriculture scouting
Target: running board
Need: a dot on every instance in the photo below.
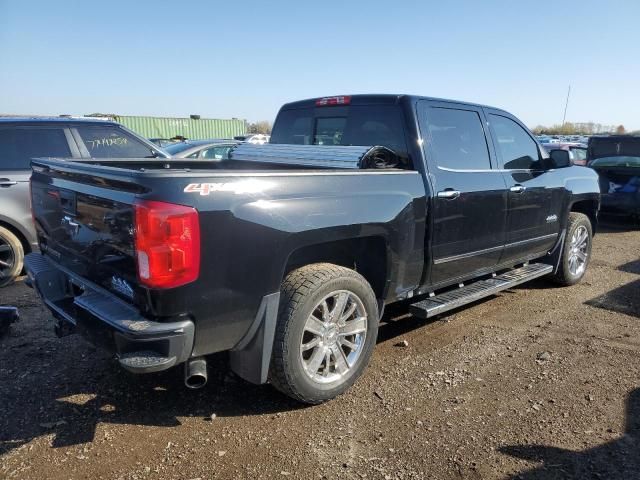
(479, 289)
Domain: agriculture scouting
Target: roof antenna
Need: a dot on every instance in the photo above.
(564, 117)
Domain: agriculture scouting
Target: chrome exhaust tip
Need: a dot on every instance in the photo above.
(195, 373)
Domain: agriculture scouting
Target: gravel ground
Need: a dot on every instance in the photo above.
(536, 382)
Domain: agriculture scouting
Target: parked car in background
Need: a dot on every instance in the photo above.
(205, 149)
(577, 151)
(616, 158)
(22, 139)
(255, 138)
(163, 142)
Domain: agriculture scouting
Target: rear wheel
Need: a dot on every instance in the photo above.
(326, 331)
(11, 257)
(576, 250)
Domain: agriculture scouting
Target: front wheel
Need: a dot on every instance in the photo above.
(576, 251)
(327, 328)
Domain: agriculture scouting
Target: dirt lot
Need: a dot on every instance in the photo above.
(537, 382)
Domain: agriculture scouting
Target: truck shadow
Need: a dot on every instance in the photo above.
(624, 299)
(615, 460)
(71, 400)
(631, 267)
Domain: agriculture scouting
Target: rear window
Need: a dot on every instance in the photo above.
(19, 145)
(363, 125)
(112, 142)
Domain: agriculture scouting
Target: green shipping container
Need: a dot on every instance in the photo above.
(202, 129)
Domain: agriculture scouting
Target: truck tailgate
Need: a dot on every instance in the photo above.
(86, 225)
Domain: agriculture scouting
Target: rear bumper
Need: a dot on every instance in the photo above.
(141, 345)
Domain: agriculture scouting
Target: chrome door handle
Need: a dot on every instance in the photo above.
(449, 194)
(518, 188)
(7, 183)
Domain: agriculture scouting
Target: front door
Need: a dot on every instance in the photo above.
(533, 221)
(469, 201)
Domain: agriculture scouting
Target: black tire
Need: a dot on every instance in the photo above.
(302, 294)
(564, 275)
(11, 257)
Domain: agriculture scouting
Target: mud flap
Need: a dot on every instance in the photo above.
(250, 358)
(554, 257)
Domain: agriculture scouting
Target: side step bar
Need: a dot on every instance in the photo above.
(477, 290)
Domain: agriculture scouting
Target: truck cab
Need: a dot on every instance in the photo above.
(494, 196)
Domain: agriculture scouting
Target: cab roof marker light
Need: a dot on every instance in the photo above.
(330, 101)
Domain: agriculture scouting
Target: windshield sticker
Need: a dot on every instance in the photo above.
(107, 142)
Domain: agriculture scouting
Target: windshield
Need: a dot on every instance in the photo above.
(178, 147)
(363, 125)
(616, 162)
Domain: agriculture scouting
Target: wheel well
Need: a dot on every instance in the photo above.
(25, 244)
(590, 209)
(367, 256)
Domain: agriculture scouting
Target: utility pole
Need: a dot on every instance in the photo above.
(564, 117)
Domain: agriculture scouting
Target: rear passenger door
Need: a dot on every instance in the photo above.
(18, 145)
(535, 196)
(468, 214)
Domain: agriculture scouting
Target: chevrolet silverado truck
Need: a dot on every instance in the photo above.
(286, 254)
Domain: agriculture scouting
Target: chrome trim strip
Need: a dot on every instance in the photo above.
(489, 170)
(453, 258)
(530, 240)
(462, 256)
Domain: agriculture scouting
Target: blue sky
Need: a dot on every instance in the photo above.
(244, 59)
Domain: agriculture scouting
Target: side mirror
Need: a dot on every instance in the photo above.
(559, 159)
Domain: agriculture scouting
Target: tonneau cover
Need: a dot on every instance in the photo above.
(319, 156)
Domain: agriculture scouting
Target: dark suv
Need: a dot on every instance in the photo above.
(22, 139)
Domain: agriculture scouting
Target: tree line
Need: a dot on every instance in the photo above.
(587, 128)
(261, 126)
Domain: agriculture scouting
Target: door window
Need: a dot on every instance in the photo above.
(457, 139)
(220, 152)
(112, 142)
(519, 151)
(19, 145)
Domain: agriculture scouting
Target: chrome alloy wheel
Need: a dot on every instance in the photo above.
(333, 337)
(578, 251)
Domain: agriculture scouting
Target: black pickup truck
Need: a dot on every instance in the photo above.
(286, 254)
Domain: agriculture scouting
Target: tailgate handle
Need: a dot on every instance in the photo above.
(68, 201)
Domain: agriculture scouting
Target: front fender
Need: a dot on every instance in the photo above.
(581, 185)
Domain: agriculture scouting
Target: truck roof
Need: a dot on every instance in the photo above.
(378, 99)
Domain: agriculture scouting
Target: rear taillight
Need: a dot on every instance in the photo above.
(167, 241)
(328, 101)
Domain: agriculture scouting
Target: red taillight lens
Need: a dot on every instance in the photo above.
(327, 101)
(167, 240)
